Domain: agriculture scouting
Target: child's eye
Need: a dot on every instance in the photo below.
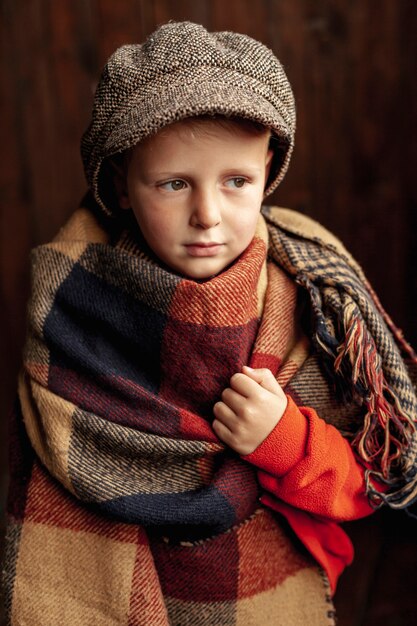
(237, 182)
(173, 185)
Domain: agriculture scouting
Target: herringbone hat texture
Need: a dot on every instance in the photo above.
(182, 71)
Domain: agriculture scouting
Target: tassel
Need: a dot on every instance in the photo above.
(385, 421)
(355, 340)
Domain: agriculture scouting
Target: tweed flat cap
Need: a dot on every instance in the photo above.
(182, 71)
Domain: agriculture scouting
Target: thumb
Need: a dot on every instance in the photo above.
(265, 378)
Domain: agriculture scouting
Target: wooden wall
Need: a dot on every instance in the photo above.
(352, 64)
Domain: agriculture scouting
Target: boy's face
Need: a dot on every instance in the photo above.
(196, 193)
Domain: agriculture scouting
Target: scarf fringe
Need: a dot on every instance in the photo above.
(355, 365)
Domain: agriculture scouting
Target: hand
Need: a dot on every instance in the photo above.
(249, 409)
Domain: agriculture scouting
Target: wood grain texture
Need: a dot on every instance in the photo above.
(352, 65)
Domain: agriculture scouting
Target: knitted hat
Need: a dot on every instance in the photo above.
(182, 71)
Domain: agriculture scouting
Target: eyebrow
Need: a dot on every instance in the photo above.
(246, 168)
(236, 169)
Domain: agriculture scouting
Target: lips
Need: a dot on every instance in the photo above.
(203, 249)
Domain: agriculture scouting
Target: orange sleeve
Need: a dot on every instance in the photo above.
(307, 464)
(310, 474)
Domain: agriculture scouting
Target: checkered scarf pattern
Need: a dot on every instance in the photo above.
(364, 355)
(126, 508)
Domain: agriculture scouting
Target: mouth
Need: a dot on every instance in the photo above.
(203, 249)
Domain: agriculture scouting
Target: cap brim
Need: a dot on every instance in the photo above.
(144, 114)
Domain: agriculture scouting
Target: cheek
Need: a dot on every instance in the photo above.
(244, 224)
(151, 219)
(156, 227)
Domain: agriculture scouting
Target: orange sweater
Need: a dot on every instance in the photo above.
(311, 476)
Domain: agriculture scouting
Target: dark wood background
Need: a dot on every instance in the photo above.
(352, 64)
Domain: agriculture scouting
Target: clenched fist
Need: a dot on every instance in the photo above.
(249, 409)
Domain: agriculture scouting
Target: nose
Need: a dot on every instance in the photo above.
(205, 210)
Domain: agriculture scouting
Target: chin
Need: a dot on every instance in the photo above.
(200, 275)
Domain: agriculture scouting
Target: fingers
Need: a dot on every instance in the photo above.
(264, 377)
(225, 415)
(225, 422)
(242, 384)
(234, 399)
(249, 409)
(249, 384)
(248, 381)
(231, 430)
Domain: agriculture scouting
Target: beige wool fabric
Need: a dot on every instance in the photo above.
(182, 71)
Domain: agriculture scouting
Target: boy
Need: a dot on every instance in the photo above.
(172, 480)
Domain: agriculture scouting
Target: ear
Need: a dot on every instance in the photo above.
(120, 185)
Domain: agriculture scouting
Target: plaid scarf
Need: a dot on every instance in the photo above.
(123, 363)
(361, 351)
